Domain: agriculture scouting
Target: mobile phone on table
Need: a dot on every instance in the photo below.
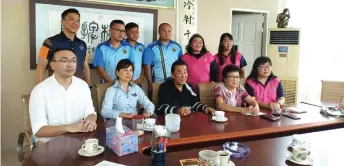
(291, 115)
(271, 117)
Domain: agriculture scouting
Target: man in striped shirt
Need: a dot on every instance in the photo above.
(176, 96)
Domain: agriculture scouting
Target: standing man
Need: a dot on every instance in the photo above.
(70, 20)
(110, 52)
(132, 31)
(159, 57)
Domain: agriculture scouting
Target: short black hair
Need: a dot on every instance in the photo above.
(177, 63)
(188, 47)
(162, 25)
(70, 10)
(113, 22)
(229, 69)
(123, 64)
(58, 50)
(130, 26)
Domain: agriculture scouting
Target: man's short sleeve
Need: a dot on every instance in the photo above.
(98, 58)
(148, 55)
(46, 50)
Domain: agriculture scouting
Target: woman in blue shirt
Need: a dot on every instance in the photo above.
(122, 97)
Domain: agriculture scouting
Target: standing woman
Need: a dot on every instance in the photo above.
(264, 85)
(227, 54)
(201, 66)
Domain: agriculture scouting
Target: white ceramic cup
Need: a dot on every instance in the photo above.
(224, 158)
(208, 157)
(219, 114)
(300, 153)
(149, 123)
(90, 146)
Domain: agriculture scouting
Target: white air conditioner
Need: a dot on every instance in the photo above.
(283, 49)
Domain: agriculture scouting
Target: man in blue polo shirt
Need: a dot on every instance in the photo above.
(155, 69)
(110, 52)
(132, 31)
(70, 20)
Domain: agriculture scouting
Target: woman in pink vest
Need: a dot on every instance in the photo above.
(264, 85)
(201, 66)
(230, 94)
(227, 54)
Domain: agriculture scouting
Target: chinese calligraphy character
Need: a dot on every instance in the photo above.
(188, 19)
(89, 49)
(93, 27)
(90, 32)
(84, 30)
(189, 4)
(105, 33)
(187, 33)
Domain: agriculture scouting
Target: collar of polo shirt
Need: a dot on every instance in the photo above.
(116, 84)
(57, 83)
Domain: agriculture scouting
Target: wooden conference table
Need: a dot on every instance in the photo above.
(197, 132)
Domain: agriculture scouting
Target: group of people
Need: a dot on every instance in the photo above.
(62, 102)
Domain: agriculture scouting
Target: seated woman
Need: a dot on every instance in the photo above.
(264, 85)
(201, 65)
(230, 94)
(122, 97)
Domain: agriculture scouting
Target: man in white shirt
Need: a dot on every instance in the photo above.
(62, 103)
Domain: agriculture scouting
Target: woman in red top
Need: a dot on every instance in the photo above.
(227, 54)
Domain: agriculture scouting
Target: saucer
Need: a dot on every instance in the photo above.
(224, 119)
(82, 152)
(309, 160)
(231, 163)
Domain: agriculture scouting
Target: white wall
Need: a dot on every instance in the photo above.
(321, 43)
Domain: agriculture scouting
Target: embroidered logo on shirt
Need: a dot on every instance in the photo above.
(81, 47)
(134, 94)
(125, 51)
(174, 50)
(272, 88)
(140, 49)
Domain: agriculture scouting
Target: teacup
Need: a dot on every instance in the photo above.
(219, 114)
(208, 157)
(224, 157)
(300, 153)
(149, 123)
(90, 146)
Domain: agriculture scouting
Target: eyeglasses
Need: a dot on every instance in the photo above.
(65, 61)
(234, 77)
(265, 67)
(119, 30)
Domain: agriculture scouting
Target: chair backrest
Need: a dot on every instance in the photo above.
(155, 94)
(332, 91)
(206, 93)
(100, 90)
(27, 121)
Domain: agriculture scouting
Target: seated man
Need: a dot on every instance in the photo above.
(176, 96)
(62, 103)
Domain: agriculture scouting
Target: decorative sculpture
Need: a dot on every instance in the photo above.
(283, 19)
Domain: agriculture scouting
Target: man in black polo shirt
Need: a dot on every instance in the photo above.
(65, 40)
(176, 96)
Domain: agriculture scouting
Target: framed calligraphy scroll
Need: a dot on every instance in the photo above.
(45, 21)
(170, 4)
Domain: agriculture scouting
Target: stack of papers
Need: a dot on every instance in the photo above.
(108, 163)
